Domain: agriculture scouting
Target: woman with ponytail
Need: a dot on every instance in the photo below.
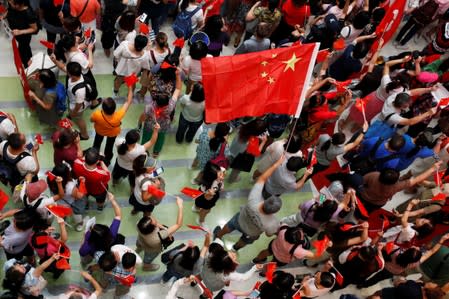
(128, 149)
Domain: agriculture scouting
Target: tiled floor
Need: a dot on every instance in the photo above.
(175, 160)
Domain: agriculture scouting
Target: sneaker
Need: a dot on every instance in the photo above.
(215, 231)
(134, 212)
(100, 208)
(114, 94)
(150, 267)
(3, 226)
(79, 226)
(260, 261)
(195, 209)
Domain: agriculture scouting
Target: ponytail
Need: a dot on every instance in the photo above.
(122, 148)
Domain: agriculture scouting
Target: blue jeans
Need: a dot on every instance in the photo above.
(149, 257)
(170, 273)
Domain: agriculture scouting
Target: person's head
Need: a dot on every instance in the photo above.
(223, 262)
(271, 205)
(140, 42)
(63, 170)
(108, 106)
(139, 165)
(47, 78)
(360, 50)
(213, 26)
(402, 101)
(396, 142)
(279, 288)
(294, 235)
(189, 257)
(341, 3)
(132, 137)
(221, 131)
(107, 261)
(100, 237)
(211, 172)
(254, 128)
(129, 261)
(295, 163)
(377, 15)
(395, 84)
(361, 20)
(168, 74)
(409, 256)
(92, 156)
(67, 42)
(324, 279)
(273, 4)
(298, 3)
(74, 69)
(336, 139)
(423, 227)
(317, 100)
(262, 30)
(389, 176)
(15, 277)
(367, 253)
(337, 190)
(71, 24)
(424, 139)
(161, 100)
(16, 141)
(284, 281)
(162, 40)
(325, 210)
(332, 24)
(197, 93)
(127, 20)
(198, 49)
(146, 225)
(24, 219)
(295, 144)
(66, 137)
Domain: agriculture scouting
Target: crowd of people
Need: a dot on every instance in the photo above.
(371, 127)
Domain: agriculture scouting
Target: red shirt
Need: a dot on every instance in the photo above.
(94, 177)
(67, 154)
(295, 15)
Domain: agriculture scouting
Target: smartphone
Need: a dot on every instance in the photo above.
(254, 294)
(92, 38)
(143, 18)
(158, 171)
(29, 146)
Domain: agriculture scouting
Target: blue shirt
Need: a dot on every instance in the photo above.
(405, 161)
(345, 65)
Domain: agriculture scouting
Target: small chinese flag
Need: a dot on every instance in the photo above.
(196, 227)
(179, 42)
(389, 247)
(338, 277)
(339, 44)
(321, 245)
(432, 58)
(63, 264)
(126, 281)
(439, 196)
(257, 285)
(330, 95)
(65, 123)
(144, 29)
(58, 2)
(271, 267)
(155, 192)
(190, 192)
(437, 177)
(313, 160)
(346, 227)
(51, 176)
(2, 9)
(322, 55)
(277, 78)
(360, 104)
(3, 199)
(362, 208)
(59, 211)
(206, 292)
(47, 44)
(341, 86)
(297, 295)
(82, 187)
(443, 102)
(253, 146)
(88, 33)
(131, 80)
(39, 139)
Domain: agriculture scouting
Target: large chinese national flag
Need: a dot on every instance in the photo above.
(272, 81)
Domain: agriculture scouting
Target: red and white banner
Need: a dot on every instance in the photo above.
(21, 73)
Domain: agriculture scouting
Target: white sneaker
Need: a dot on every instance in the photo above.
(114, 94)
(195, 209)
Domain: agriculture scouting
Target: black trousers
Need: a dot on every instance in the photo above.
(23, 43)
(187, 129)
(108, 150)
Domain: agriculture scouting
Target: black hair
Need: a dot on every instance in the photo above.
(73, 69)
(221, 131)
(14, 279)
(401, 99)
(24, 219)
(67, 42)
(198, 50)
(139, 165)
(145, 225)
(294, 235)
(325, 210)
(253, 128)
(16, 141)
(92, 156)
(409, 256)
(189, 257)
(280, 288)
(396, 142)
(140, 42)
(128, 260)
(295, 144)
(263, 30)
(394, 84)
(295, 164)
(100, 237)
(132, 137)
(327, 280)
(21, 2)
(209, 174)
(161, 40)
(71, 24)
(367, 253)
(361, 20)
(423, 230)
(197, 93)
(108, 106)
(66, 137)
(48, 78)
(221, 262)
(213, 26)
(169, 74)
(107, 261)
(360, 50)
(389, 176)
(127, 20)
(377, 15)
(273, 4)
(64, 172)
(161, 100)
(336, 139)
(424, 139)
(316, 100)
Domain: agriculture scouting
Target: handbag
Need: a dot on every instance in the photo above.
(221, 159)
(166, 257)
(167, 241)
(243, 162)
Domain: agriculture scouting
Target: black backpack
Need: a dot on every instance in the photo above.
(8, 167)
(91, 88)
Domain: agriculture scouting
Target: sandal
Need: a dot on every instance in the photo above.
(99, 101)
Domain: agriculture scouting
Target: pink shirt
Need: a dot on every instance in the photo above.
(281, 249)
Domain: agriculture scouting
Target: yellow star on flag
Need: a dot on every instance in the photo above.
(264, 74)
(274, 55)
(264, 63)
(270, 80)
(290, 64)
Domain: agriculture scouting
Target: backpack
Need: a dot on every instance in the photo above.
(61, 97)
(8, 169)
(182, 26)
(277, 123)
(423, 15)
(91, 88)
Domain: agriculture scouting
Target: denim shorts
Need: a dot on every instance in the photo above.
(233, 224)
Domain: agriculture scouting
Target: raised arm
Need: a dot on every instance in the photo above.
(206, 245)
(178, 89)
(318, 85)
(264, 177)
(94, 283)
(153, 139)
(250, 15)
(390, 63)
(129, 99)
(404, 218)
(64, 237)
(418, 179)
(41, 268)
(115, 206)
(350, 146)
(172, 229)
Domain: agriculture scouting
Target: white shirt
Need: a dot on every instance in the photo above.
(126, 161)
(313, 290)
(198, 17)
(139, 189)
(192, 111)
(129, 62)
(6, 128)
(399, 234)
(68, 198)
(79, 97)
(193, 68)
(388, 109)
(79, 57)
(25, 165)
(122, 249)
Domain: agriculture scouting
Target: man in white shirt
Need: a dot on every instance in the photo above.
(77, 100)
(8, 125)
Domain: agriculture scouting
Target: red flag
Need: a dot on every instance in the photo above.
(196, 227)
(330, 95)
(3, 199)
(346, 227)
(313, 160)
(21, 72)
(63, 264)
(341, 86)
(126, 281)
(439, 196)
(47, 44)
(131, 80)
(437, 177)
(213, 7)
(389, 247)
(190, 192)
(277, 78)
(338, 277)
(322, 55)
(257, 285)
(321, 245)
(443, 102)
(271, 267)
(65, 123)
(206, 292)
(297, 295)
(253, 146)
(179, 42)
(144, 29)
(88, 33)
(59, 211)
(82, 187)
(39, 139)
(2, 9)
(58, 2)
(362, 208)
(155, 192)
(51, 176)
(339, 44)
